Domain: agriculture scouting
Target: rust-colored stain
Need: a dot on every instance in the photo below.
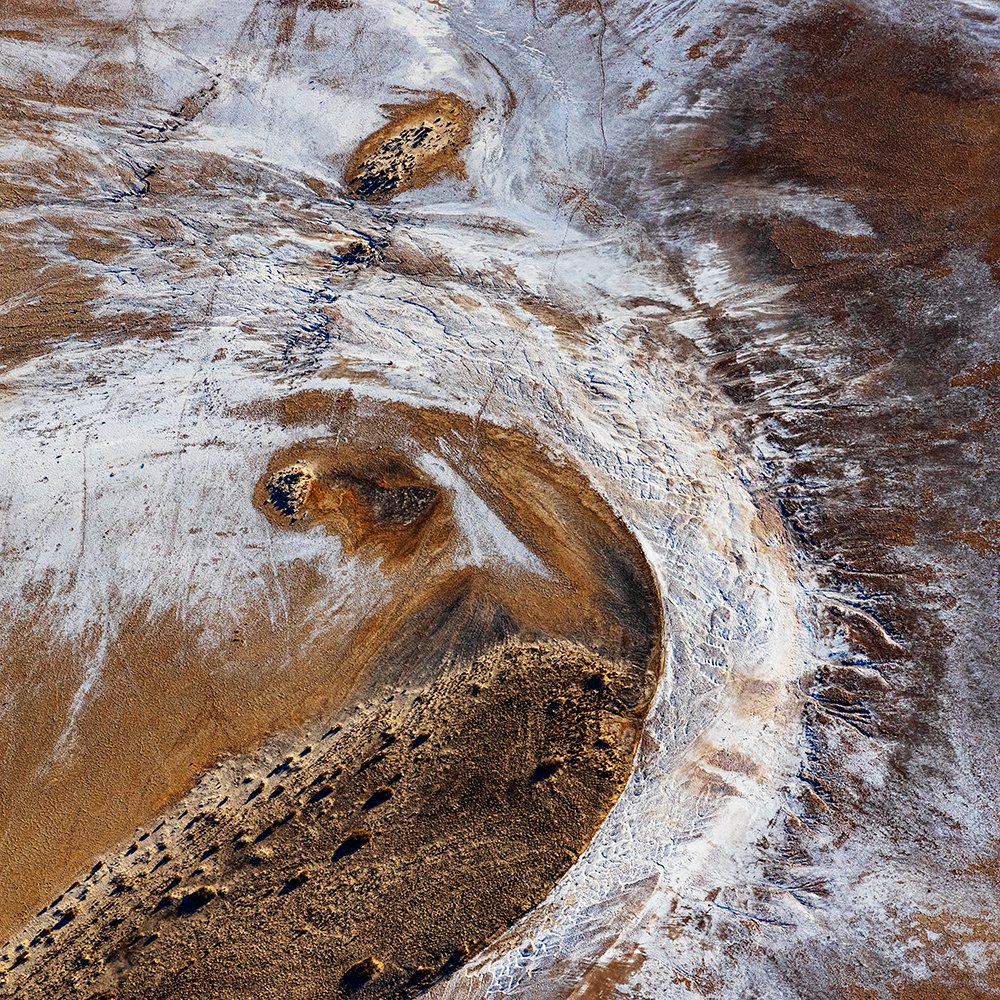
(607, 980)
(984, 540)
(699, 49)
(632, 101)
(568, 324)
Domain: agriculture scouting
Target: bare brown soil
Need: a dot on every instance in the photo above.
(536, 682)
(418, 144)
(905, 129)
(368, 861)
(46, 302)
